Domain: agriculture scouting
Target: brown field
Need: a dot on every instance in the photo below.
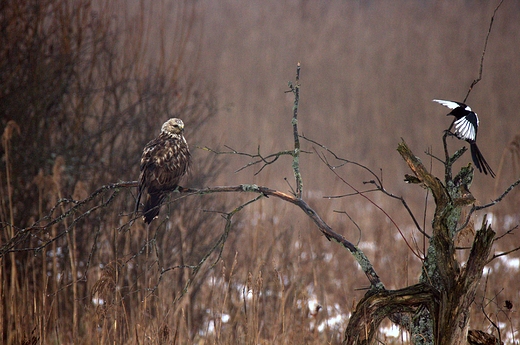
(87, 83)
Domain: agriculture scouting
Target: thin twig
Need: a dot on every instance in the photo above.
(353, 222)
(257, 158)
(495, 256)
(323, 159)
(218, 245)
(492, 203)
(377, 181)
(483, 52)
(508, 232)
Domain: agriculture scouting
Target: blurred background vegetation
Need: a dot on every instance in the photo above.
(85, 84)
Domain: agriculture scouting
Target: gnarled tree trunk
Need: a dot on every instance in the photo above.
(436, 310)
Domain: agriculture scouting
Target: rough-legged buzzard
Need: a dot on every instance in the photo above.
(164, 161)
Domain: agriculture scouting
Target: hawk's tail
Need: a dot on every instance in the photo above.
(479, 160)
(138, 201)
(152, 206)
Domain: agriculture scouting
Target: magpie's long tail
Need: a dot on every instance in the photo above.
(479, 160)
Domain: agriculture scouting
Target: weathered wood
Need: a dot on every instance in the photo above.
(455, 286)
(477, 337)
(376, 306)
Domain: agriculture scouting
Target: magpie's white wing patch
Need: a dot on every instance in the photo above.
(464, 129)
(452, 104)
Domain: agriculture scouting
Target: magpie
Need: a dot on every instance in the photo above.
(465, 127)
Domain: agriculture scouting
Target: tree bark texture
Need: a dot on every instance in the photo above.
(438, 307)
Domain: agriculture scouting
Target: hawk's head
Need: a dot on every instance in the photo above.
(173, 127)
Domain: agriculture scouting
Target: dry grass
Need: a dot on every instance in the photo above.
(88, 84)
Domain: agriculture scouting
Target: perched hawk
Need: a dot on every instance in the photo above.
(164, 161)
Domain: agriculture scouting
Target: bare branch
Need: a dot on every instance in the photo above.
(345, 161)
(483, 52)
(508, 232)
(502, 196)
(492, 203)
(377, 181)
(353, 222)
(331, 168)
(257, 158)
(22, 234)
(449, 160)
(295, 88)
(360, 257)
(218, 245)
(495, 256)
(379, 187)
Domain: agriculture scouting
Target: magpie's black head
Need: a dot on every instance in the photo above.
(458, 109)
(459, 112)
